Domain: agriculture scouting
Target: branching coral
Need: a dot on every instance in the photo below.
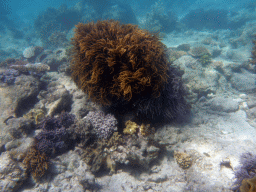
(54, 137)
(104, 125)
(36, 163)
(8, 76)
(125, 68)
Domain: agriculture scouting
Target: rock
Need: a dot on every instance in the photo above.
(30, 53)
(19, 127)
(55, 99)
(12, 175)
(244, 81)
(199, 81)
(14, 102)
(71, 175)
(252, 113)
(223, 104)
(24, 94)
(31, 67)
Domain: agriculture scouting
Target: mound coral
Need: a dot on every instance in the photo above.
(104, 125)
(124, 68)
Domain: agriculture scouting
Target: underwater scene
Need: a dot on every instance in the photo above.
(128, 96)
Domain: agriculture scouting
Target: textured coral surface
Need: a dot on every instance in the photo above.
(117, 61)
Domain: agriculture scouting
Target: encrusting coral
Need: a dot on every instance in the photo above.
(126, 69)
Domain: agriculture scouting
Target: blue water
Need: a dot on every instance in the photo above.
(18, 17)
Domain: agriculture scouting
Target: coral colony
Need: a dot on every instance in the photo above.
(123, 67)
(104, 125)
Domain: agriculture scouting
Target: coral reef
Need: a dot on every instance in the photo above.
(183, 159)
(36, 114)
(132, 128)
(104, 125)
(33, 68)
(55, 20)
(12, 61)
(206, 19)
(120, 11)
(53, 139)
(8, 76)
(130, 150)
(205, 59)
(159, 20)
(125, 69)
(199, 51)
(95, 154)
(36, 163)
(174, 54)
(80, 132)
(109, 64)
(202, 53)
(247, 170)
(253, 54)
(248, 185)
(30, 53)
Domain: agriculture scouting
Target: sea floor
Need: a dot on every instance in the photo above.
(222, 126)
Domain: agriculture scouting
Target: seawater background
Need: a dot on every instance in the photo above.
(222, 97)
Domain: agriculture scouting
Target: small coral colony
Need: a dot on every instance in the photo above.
(125, 70)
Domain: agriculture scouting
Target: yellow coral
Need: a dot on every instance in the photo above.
(131, 127)
(35, 114)
(146, 130)
(183, 159)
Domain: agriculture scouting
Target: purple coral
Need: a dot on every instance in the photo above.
(246, 170)
(54, 136)
(8, 76)
(52, 141)
(66, 119)
(104, 125)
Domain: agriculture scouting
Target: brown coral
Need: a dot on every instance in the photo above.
(36, 163)
(248, 185)
(183, 159)
(113, 61)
